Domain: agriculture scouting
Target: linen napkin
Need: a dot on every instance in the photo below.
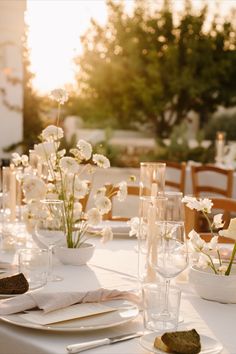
(54, 301)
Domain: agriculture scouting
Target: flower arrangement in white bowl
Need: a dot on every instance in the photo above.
(211, 275)
(63, 180)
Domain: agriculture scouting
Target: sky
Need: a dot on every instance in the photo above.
(55, 27)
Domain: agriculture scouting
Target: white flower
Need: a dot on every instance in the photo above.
(217, 221)
(45, 150)
(52, 133)
(94, 217)
(222, 269)
(80, 188)
(101, 161)
(197, 243)
(122, 192)
(24, 160)
(107, 234)
(212, 245)
(85, 149)
(101, 192)
(68, 164)
(34, 188)
(200, 204)
(231, 231)
(203, 261)
(134, 226)
(16, 159)
(59, 95)
(103, 204)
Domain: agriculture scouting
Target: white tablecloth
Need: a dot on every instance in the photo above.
(115, 266)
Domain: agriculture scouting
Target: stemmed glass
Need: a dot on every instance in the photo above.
(50, 228)
(171, 257)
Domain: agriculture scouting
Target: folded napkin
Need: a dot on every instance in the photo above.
(54, 301)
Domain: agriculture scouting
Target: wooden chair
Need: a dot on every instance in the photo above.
(227, 206)
(180, 169)
(211, 188)
(131, 191)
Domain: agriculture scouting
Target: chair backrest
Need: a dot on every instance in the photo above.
(212, 188)
(131, 191)
(227, 206)
(178, 183)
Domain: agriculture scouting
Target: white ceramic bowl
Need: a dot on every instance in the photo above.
(213, 287)
(75, 256)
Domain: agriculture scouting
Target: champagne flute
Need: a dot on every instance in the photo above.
(50, 228)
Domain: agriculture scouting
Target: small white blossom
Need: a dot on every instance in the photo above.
(68, 164)
(231, 231)
(200, 204)
(80, 188)
(134, 226)
(25, 160)
(203, 261)
(222, 269)
(52, 133)
(197, 243)
(107, 234)
(217, 221)
(85, 150)
(94, 217)
(212, 245)
(59, 95)
(16, 159)
(34, 188)
(122, 192)
(45, 150)
(101, 192)
(101, 161)
(103, 204)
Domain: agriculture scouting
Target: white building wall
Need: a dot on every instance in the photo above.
(11, 94)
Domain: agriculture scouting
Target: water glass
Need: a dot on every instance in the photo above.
(34, 264)
(154, 305)
(152, 178)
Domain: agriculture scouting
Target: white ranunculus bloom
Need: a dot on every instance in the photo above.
(85, 149)
(34, 188)
(101, 161)
(59, 95)
(94, 217)
(52, 133)
(80, 188)
(107, 234)
(217, 221)
(122, 192)
(45, 150)
(103, 204)
(69, 165)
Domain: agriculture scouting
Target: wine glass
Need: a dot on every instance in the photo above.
(50, 228)
(168, 257)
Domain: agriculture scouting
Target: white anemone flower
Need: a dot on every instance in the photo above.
(59, 95)
(52, 133)
(101, 160)
(94, 217)
(201, 204)
(68, 164)
(212, 245)
(34, 188)
(101, 192)
(103, 204)
(107, 234)
(122, 192)
(85, 149)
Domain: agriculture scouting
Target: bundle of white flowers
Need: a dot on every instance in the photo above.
(209, 254)
(63, 180)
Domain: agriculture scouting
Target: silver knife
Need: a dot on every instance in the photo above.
(76, 348)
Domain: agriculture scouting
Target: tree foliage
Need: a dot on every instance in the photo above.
(143, 67)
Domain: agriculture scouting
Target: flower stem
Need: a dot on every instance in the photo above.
(231, 260)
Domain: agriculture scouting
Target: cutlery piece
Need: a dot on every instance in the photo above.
(76, 348)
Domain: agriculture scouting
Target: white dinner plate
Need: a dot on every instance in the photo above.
(119, 228)
(208, 345)
(125, 313)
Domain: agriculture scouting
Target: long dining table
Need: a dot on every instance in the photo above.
(114, 266)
